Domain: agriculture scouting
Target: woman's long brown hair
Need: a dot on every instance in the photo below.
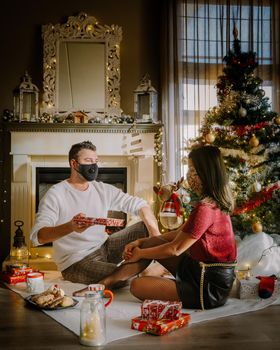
(210, 168)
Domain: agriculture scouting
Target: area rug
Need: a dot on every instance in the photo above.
(125, 307)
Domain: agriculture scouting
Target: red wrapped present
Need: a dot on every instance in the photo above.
(10, 279)
(159, 327)
(18, 270)
(15, 275)
(101, 221)
(159, 309)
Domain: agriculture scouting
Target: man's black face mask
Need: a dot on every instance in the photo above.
(88, 171)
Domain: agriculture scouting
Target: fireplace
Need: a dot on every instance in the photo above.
(39, 148)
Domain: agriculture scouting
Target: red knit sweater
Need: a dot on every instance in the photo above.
(213, 230)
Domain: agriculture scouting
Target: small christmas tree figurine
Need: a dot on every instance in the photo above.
(247, 131)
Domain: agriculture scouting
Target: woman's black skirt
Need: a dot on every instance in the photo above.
(203, 288)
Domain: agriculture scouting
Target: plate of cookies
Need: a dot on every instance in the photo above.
(53, 298)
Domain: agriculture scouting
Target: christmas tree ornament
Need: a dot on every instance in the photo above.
(277, 120)
(257, 227)
(210, 137)
(257, 186)
(254, 141)
(186, 198)
(242, 112)
(266, 286)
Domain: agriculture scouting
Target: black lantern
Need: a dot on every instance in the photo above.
(26, 100)
(145, 101)
(19, 252)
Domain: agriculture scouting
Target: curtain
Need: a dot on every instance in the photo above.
(196, 35)
(170, 94)
(276, 55)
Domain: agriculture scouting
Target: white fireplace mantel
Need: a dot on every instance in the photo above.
(47, 145)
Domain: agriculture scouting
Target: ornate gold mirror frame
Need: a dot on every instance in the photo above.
(82, 29)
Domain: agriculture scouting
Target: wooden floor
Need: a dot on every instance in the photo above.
(23, 328)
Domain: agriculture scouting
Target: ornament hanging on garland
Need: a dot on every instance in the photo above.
(210, 137)
(277, 120)
(254, 141)
(257, 227)
(257, 186)
(242, 112)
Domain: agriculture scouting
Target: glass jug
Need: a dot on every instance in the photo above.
(93, 316)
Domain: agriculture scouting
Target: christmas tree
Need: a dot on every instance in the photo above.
(247, 132)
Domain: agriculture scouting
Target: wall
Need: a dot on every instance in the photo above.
(21, 49)
(21, 43)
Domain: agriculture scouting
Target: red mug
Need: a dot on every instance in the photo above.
(106, 293)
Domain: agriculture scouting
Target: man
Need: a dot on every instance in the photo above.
(83, 252)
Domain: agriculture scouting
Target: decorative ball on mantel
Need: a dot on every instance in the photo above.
(277, 120)
(254, 141)
(242, 112)
(257, 227)
(210, 137)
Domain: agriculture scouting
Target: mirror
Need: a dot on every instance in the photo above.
(82, 67)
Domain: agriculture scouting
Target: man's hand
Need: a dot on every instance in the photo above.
(77, 223)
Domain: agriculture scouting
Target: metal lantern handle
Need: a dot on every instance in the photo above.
(18, 223)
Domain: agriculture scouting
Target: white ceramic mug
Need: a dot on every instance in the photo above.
(35, 282)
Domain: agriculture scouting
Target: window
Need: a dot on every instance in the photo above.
(205, 30)
(205, 38)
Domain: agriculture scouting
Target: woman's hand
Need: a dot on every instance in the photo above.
(134, 256)
(127, 253)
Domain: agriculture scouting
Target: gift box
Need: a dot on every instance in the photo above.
(112, 222)
(18, 270)
(16, 274)
(159, 309)
(10, 279)
(249, 288)
(159, 327)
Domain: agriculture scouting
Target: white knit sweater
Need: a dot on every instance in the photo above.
(63, 201)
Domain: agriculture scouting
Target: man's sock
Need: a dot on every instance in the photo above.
(266, 286)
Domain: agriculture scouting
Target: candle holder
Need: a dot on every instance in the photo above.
(19, 253)
(145, 101)
(26, 100)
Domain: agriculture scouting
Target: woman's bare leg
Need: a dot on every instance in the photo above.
(149, 287)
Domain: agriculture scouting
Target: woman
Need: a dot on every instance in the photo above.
(201, 254)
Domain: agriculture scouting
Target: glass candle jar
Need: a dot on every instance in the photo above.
(93, 317)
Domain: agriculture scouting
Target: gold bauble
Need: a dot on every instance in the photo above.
(210, 137)
(257, 227)
(277, 120)
(254, 141)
